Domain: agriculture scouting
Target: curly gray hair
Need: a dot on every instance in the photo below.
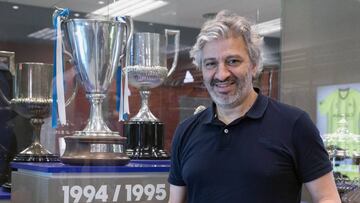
(227, 24)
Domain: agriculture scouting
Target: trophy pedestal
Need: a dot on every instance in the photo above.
(94, 150)
(36, 153)
(145, 140)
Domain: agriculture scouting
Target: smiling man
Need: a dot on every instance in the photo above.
(246, 147)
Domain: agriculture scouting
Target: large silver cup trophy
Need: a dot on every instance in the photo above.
(97, 47)
(32, 99)
(146, 66)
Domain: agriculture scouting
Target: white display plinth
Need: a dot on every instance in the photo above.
(139, 181)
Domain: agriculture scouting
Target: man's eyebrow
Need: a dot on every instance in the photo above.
(228, 56)
(209, 59)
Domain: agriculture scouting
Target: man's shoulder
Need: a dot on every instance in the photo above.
(186, 128)
(195, 119)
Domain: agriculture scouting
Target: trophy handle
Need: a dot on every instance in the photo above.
(74, 92)
(169, 32)
(2, 95)
(3, 98)
(76, 88)
(129, 33)
(56, 13)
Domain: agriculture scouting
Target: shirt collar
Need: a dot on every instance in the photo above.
(256, 111)
(210, 114)
(258, 108)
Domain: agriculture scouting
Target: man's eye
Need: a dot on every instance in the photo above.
(233, 61)
(210, 64)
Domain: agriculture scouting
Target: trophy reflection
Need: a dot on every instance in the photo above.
(97, 47)
(32, 99)
(146, 66)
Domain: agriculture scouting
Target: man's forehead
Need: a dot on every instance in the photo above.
(225, 56)
(224, 44)
(225, 38)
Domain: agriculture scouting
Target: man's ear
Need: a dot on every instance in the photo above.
(254, 71)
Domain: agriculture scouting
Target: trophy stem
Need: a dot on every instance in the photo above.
(96, 121)
(96, 144)
(36, 124)
(36, 152)
(144, 113)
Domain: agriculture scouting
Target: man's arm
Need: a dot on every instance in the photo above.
(177, 194)
(323, 189)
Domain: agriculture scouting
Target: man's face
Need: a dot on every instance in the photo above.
(227, 71)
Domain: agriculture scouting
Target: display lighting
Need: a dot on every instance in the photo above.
(118, 8)
(131, 8)
(46, 33)
(268, 27)
(188, 77)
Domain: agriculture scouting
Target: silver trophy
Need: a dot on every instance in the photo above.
(146, 66)
(97, 47)
(32, 99)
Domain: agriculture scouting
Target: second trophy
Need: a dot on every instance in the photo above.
(146, 66)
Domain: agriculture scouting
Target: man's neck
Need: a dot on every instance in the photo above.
(228, 115)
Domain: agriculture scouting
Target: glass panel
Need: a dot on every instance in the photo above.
(320, 74)
(311, 64)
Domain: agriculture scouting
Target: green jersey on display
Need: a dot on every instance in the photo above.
(342, 103)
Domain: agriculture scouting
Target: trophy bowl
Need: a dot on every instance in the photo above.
(146, 62)
(96, 47)
(32, 99)
(28, 107)
(145, 78)
(146, 67)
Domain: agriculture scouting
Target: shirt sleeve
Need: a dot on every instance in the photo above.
(311, 157)
(175, 176)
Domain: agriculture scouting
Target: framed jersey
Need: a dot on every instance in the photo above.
(338, 107)
(338, 117)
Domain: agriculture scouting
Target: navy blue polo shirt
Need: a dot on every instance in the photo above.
(264, 156)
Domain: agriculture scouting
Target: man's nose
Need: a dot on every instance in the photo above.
(222, 72)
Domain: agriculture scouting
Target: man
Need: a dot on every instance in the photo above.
(246, 147)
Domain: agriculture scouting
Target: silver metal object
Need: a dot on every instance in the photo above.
(146, 66)
(32, 99)
(97, 47)
(199, 109)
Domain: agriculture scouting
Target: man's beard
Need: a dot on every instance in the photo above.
(235, 98)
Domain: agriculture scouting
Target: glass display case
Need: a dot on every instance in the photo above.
(310, 60)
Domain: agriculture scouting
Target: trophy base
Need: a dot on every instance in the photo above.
(144, 154)
(145, 140)
(94, 150)
(36, 153)
(36, 158)
(96, 133)
(6, 186)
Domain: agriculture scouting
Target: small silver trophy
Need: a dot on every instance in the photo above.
(97, 47)
(32, 99)
(146, 66)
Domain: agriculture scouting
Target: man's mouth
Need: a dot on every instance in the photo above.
(224, 83)
(223, 86)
